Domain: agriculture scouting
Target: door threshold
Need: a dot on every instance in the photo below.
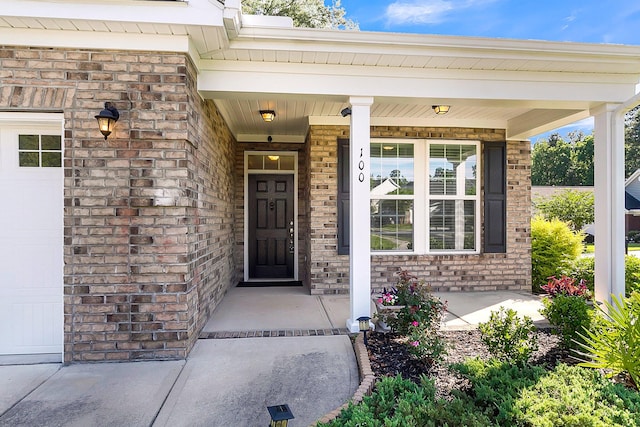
(258, 283)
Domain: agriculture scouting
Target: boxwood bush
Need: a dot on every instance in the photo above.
(583, 268)
(554, 249)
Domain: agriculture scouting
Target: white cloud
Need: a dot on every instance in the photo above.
(426, 11)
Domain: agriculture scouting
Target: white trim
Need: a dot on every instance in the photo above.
(95, 40)
(248, 172)
(421, 196)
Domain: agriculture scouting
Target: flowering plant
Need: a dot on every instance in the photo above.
(388, 297)
(566, 286)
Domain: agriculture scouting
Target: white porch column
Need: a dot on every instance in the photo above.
(609, 202)
(359, 211)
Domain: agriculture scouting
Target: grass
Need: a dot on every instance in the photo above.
(589, 247)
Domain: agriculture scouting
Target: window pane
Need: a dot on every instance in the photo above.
(452, 169)
(452, 225)
(51, 160)
(28, 142)
(271, 163)
(287, 163)
(51, 142)
(254, 162)
(391, 225)
(28, 159)
(392, 169)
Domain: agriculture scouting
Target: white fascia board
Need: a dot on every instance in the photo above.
(422, 73)
(412, 121)
(192, 12)
(94, 40)
(319, 40)
(428, 85)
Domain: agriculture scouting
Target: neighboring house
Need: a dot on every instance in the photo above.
(120, 248)
(632, 202)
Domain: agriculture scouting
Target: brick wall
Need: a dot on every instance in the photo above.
(329, 272)
(149, 212)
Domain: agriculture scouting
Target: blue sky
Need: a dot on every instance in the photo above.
(591, 21)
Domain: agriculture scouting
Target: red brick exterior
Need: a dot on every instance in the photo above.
(330, 272)
(154, 215)
(149, 212)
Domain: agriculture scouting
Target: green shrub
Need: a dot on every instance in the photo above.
(531, 396)
(570, 315)
(554, 249)
(426, 343)
(420, 318)
(631, 274)
(583, 268)
(573, 396)
(496, 386)
(633, 236)
(613, 342)
(509, 338)
(401, 403)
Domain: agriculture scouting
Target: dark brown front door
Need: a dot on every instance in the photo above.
(271, 244)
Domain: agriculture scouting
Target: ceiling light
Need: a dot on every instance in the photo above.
(268, 115)
(441, 109)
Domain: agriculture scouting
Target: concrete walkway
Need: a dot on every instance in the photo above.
(291, 348)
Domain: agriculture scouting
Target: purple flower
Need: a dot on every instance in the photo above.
(414, 323)
(415, 343)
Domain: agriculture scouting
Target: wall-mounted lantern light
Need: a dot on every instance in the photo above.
(107, 119)
(363, 323)
(280, 415)
(268, 115)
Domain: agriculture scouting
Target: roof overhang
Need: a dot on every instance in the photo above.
(248, 63)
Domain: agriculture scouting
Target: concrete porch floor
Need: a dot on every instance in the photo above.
(292, 308)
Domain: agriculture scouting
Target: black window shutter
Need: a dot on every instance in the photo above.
(495, 197)
(343, 197)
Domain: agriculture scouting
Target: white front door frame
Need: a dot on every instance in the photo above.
(293, 172)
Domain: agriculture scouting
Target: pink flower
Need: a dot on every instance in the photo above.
(380, 300)
(415, 343)
(414, 323)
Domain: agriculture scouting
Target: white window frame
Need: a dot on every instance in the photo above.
(422, 198)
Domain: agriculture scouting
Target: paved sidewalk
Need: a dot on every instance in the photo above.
(226, 381)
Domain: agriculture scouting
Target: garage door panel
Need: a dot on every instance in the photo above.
(31, 252)
(41, 336)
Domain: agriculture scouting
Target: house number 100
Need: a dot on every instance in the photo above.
(361, 167)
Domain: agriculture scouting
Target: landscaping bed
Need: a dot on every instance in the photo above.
(389, 356)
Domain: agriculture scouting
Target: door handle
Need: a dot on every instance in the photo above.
(291, 236)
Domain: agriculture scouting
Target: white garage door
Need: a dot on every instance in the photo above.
(31, 239)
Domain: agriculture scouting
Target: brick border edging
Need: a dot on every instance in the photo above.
(367, 380)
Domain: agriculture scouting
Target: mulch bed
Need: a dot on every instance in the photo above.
(389, 357)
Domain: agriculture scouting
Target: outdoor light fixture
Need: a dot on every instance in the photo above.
(280, 415)
(441, 109)
(346, 112)
(107, 119)
(363, 322)
(268, 115)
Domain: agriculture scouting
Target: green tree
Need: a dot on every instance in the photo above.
(582, 160)
(305, 13)
(551, 161)
(574, 207)
(632, 141)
